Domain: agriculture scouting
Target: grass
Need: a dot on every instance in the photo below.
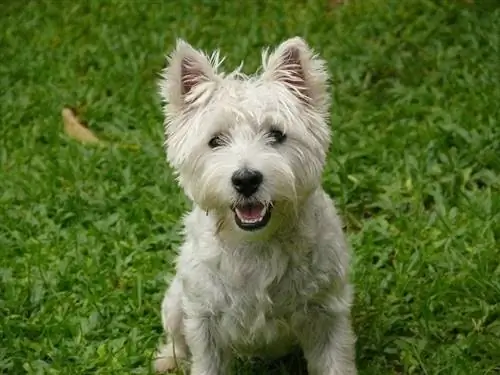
(87, 235)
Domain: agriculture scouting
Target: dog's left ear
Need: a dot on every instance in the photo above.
(294, 65)
(190, 76)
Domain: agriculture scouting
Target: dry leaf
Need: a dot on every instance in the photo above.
(76, 130)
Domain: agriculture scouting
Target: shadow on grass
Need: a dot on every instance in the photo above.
(292, 364)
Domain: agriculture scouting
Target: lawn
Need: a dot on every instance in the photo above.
(88, 234)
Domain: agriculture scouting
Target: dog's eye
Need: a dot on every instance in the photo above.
(216, 141)
(276, 136)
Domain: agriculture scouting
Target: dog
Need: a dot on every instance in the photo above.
(264, 267)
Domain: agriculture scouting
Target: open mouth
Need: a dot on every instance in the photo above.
(252, 216)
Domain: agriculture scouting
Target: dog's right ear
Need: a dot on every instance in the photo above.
(189, 77)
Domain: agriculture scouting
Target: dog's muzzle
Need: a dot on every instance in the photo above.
(252, 216)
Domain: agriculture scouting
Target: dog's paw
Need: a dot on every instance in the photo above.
(166, 360)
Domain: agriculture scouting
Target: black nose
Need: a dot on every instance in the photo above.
(246, 181)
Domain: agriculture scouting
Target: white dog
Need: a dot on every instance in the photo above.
(264, 265)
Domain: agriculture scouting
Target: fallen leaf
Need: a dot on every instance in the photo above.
(76, 130)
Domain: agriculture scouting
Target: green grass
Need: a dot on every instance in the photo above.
(87, 235)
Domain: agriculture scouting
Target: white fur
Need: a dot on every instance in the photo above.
(255, 293)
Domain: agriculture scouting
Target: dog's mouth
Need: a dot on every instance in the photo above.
(252, 216)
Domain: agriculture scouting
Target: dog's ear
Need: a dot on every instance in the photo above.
(294, 64)
(189, 76)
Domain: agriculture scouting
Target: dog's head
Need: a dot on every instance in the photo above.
(250, 149)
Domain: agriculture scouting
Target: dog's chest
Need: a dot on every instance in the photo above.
(262, 296)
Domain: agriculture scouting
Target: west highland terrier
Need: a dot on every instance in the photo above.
(264, 265)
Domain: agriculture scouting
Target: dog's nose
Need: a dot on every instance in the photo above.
(246, 181)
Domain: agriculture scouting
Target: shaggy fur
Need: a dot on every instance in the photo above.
(254, 285)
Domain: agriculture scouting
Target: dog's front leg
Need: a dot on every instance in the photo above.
(209, 357)
(329, 344)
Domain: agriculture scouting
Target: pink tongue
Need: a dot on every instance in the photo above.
(250, 212)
